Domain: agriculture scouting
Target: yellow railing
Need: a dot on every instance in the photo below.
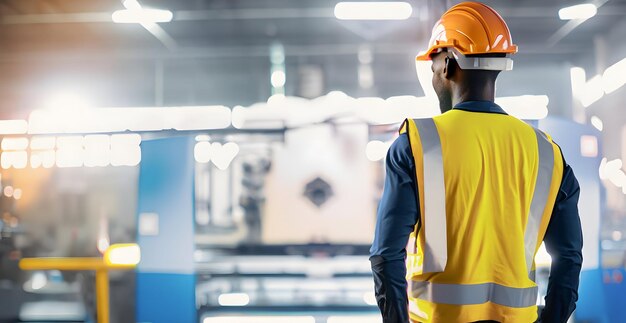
(117, 257)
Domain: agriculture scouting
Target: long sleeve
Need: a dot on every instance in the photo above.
(564, 243)
(396, 218)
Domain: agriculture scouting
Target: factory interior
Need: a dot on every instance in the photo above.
(222, 161)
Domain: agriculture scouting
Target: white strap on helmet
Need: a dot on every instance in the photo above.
(481, 63)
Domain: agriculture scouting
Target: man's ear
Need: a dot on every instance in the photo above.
(448, 68)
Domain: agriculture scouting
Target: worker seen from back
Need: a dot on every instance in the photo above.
(470, 195)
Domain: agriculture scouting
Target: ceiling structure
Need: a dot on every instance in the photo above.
(217, 52)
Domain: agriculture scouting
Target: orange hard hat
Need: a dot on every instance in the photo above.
(471, 28)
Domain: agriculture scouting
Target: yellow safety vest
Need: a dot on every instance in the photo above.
(487, 184)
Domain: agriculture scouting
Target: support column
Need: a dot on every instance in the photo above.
(165, 275)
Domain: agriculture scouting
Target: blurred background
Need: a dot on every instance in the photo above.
(240, 144)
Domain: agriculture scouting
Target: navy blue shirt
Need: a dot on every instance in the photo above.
(398, 213)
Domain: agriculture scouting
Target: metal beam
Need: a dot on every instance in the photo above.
(263, 14)
(407, 49)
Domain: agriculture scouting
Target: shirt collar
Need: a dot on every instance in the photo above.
(480, 106)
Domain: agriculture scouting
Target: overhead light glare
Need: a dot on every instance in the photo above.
(141, 16)
(614, 77)
(373, 10)
(581, 11)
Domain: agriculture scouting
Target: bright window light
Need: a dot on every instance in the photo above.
(14, 143)
(259, 319)
(614, 77)
(42, 158)
(581, 11)
(597, 123)
(123, 254)
(141, 16)
(198, 118)
(13, 127)
(234, 299)
(373, 10)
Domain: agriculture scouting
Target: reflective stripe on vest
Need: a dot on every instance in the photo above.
(540, 196)
(436, 248)
(476, 294)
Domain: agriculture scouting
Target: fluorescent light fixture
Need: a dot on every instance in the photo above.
(9, 143)
(15, 159)
(42, 143)
(13, 127)
(592, 91)
(97, 152)
(614, 77)
(141, 16)
(597, 123)
(98, 120)
(373, 10)
(123, 254)
(125, 150)
(259, 319)
(234, 299)
(42, 158)
(581, 11)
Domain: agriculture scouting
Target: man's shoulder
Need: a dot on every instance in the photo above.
(400, 150)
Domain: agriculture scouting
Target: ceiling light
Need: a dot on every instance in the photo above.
(373, 10)
(581, 11)
(141, 16)
(234, 299)
(614, 77)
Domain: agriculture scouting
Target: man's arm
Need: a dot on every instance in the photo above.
(564, 242)
(396, 218)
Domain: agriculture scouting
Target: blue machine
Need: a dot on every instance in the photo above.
(165, 276)
(602, 292)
